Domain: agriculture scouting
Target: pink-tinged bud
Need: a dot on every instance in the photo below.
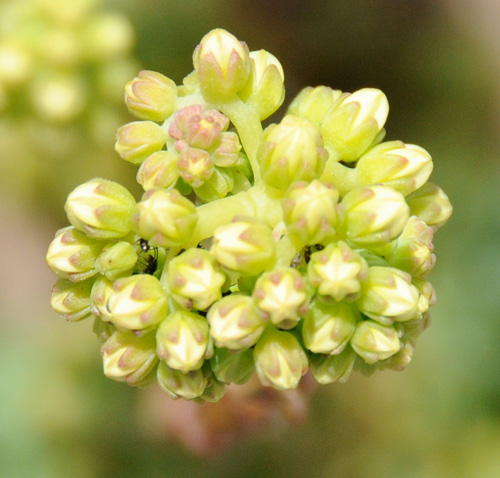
(374, 342)
(195, 166)
(158, 171)
(227, 153)
(431, 205)
(116, 260)
(71, 300)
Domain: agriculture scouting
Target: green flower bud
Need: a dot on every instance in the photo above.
(337, 271)
(231, 366)
(217, 186)
(222, 64)
(280, 360)
(356, 123)
(71, 300)
(182, 340)
(227, 153)
(165, 218)
(332, 368)
(179, 385)
(137, 140)
(137, 302)
(282, 295)
(235, 322)
(151, 96)
(327, 329)
(128, 358)
(264, 90)
(116, 260)
(431, 205)
(291, 151)
(374, 215)
(195, 279)
(413, 329)
(101, 209)
(427, 294)
(388, 295)
(158, 171)
(404, 167)
(103, 330)
(310, 213)
(402, 359)
(72, 255)
(101, 291)
(214, 391)
(195, 166)
(245, 246)
(374, 342)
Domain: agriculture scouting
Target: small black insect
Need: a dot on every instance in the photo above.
(150, 261)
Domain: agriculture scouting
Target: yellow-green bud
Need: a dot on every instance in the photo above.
(280, 360)
(103, 330)
(222, 64)
(374, 342)
(195, 166)
(282, 295)
(71, 300)
(246, 246)
(332, 368)
(128, 358)
(181, 385)
(431, 205)
(137, 302)
(355, 123)
(116, 260)
(413, 329)
(158, 170)
(137, 140)
(291, 151)
(182, 339)
(337, 271)
(72, 255)
(427, 294)
(328, 328)
(402, 359)
(101, 209)
(235, 322)
(388, 294)
(214, 391)
(227, 153)
(195, 279)
(264, 90)
(101, 291)
(165, 218)
(374, 215)
(151, 96)
(231, 366)
(310, 212)
(217, 186)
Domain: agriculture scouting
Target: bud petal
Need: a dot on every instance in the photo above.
(195, 166)
(232, 367)
(116, 259)
(431, 205)
(217, 186)
(374, 342)
(227, 153)
(331, 368)
(158, 171)
(71, 300)
(179, 385)
(101, 291)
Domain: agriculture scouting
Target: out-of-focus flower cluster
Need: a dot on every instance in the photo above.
(303, 246)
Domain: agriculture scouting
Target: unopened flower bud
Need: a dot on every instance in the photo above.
(337, 271)
(217, 186)
(246, 246)
(137, 140)
(227, 153)
(291, 151)
(214, 390)
(431, 205)
(158, 170)
(128, 358)
(280, 360)
(101, 209)
(181, 385)
(231, 366)
(101, 291)
(235, 322)
(333, 368)
(402, 359)
(427, 294)
(137, 302)
(182, 340)
(374, 215)
(165, 218)
(195, 279)
(195, 166)
(116, 259)
(151, 96)
(71, 300)
(353, 125)
(102, 330)
(374, 342)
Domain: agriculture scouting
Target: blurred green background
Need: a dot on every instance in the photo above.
(438, 63)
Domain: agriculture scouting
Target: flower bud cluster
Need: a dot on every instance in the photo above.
(303, 246)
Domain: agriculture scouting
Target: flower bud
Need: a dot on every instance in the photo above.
(264, 90)
(374, 342)
(214, 391)
(280, 360)
(332, 368)
(137, 140)
(427, 295)
(217, 186)
(103, 330)
(222, 64)
(431, 205)
(195, 279)
(356, 123)
(165, 218)
(72, 255)
(151, 96)
(179, 385)
(101, 209)
(101, 291)
(182, 340)
(227, 153)
(232, 366)
(116, 260)
(158, 170)
(282, 295)
(404, 167)
(245, 246)
(374, 215)
(402, 359)
(327, 329)
(388, 295)
(128, 358)
(337, 271)
(195, 166)
(71, 300)
(235, 322)
(291, 151)
(137, 302)
(310, 213)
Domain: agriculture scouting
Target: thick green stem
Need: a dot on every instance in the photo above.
(340, 176)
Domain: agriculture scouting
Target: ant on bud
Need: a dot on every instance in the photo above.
(151, 261)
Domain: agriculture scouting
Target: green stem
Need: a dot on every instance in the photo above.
(342, 177)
